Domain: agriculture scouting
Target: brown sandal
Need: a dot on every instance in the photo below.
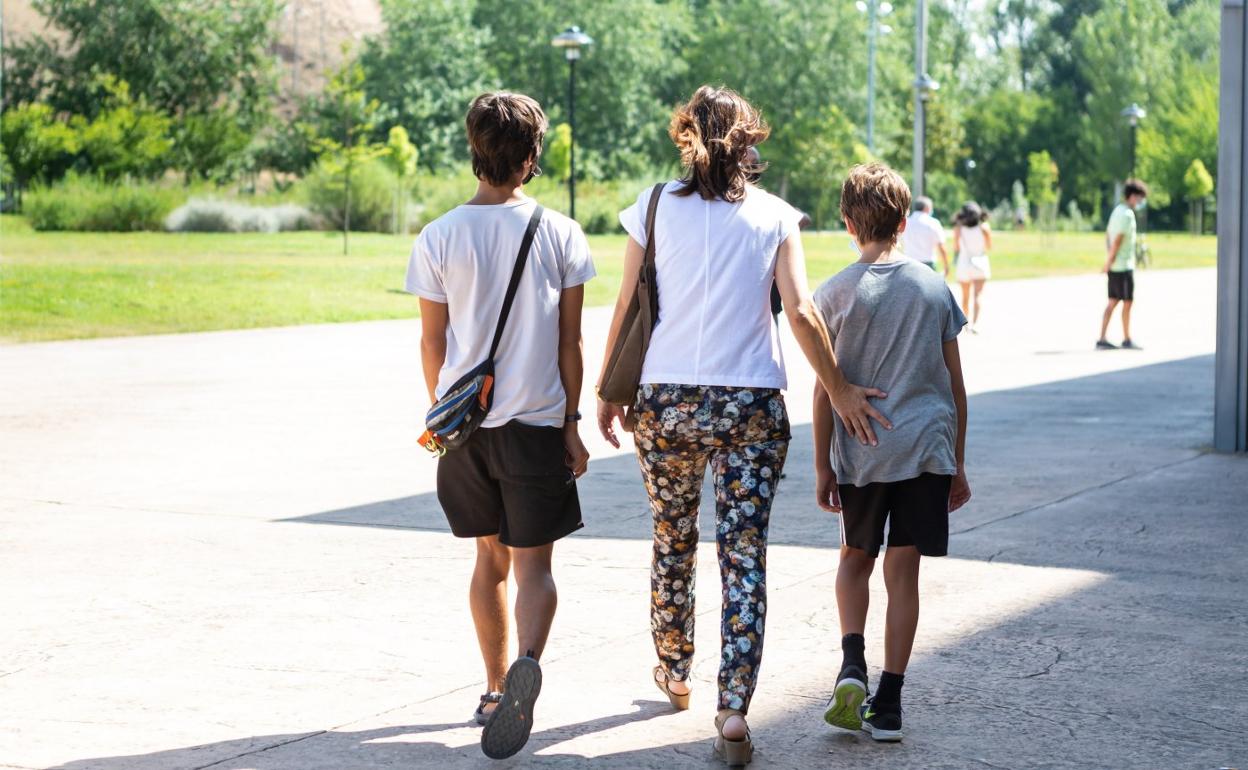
(661, 679)
(734, 753)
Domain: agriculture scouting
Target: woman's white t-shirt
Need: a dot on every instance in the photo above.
(464, 259)
(715, 264)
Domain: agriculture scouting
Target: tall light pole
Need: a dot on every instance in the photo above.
(923, 88)
(1134, 114)
(571, 40)
(874, 10)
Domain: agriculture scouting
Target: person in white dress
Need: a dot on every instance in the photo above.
(972, 240)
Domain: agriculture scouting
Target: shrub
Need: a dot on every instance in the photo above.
(201, 215)
(85, 203)
(372, 195)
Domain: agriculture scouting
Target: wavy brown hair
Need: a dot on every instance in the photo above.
(714, 132)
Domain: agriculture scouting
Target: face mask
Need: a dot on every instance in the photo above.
(1142, 204)
(853, 244)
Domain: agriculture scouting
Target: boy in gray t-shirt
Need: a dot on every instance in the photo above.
(894, 324)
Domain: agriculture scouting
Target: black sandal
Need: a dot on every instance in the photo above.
(507, 729)
(481, 716)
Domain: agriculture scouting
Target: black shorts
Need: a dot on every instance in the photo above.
(917, 512)
(510, 481)
(1122, 285)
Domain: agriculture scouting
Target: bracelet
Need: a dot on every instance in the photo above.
(574, 417)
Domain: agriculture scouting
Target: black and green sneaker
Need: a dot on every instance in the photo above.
(847, 697)
(882, 721)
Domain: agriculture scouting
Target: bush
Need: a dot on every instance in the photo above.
(201, 215)
(85, 203)
(372, 195)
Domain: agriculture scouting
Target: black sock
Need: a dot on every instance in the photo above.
(853, 651)
(888, 691)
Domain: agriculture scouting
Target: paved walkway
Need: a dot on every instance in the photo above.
(222, 550)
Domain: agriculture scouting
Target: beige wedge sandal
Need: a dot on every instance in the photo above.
(661, 680)
(734, 753)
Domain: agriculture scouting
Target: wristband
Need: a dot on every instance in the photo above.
(574, 417)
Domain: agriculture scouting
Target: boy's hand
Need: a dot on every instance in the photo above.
(826, 492)
(856, 412)
(577, 458)
(959, 491)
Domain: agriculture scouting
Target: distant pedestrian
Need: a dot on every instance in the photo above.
(1120, 262)
(888, 316)
(924, 238)
(512, 485)
(972, 240)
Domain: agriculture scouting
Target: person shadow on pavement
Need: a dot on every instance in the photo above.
(395, 746)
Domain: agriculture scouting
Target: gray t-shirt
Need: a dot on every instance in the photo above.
(888, 324)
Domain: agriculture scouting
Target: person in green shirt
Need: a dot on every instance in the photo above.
(1120, 261)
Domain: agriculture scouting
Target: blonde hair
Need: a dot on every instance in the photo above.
(714, 132)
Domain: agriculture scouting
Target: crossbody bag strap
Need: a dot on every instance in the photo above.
(516, 272)
(648, 269)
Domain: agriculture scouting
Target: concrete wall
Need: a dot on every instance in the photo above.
(1231, 389)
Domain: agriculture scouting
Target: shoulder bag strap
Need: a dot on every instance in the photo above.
(521, 258)
(648, 275)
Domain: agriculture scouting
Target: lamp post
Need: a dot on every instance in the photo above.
(571, 40)
(924, 85)
(1134, 114)
(874, 10)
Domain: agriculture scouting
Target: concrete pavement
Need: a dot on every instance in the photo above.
(222, 550)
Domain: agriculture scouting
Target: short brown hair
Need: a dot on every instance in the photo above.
(875, 200)
(1134, 187)
(504, 130)
(714, 132)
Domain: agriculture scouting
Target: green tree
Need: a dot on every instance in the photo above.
(210, 146)
(828, 143)
(558, 156)
(626, 82)
(182, 56)
(1126, 53)
(425, 69)
(127, 137)
(1002, 129)
(1197, 187)
(401, 156)
(339, 159)
(1042, 187)
(37, 146)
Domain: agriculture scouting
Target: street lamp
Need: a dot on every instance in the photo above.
(571, 40)
(1134, 114)
(924, 87)
(874, 10)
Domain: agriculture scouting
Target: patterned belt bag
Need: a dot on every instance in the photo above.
(464, 406)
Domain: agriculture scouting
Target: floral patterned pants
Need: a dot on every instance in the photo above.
(744, 434)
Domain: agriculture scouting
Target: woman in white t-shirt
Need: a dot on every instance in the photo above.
(972, 239)
(711, 385)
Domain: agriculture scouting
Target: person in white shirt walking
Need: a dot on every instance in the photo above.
(710, 389)
(512, 486)
(923, 237)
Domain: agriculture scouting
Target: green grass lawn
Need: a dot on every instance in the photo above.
(76, 285)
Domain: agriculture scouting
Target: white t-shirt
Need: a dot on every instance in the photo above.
(923, 233)
(715, 263)
(464, 259)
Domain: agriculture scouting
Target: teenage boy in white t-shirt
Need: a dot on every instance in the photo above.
(512, 486)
